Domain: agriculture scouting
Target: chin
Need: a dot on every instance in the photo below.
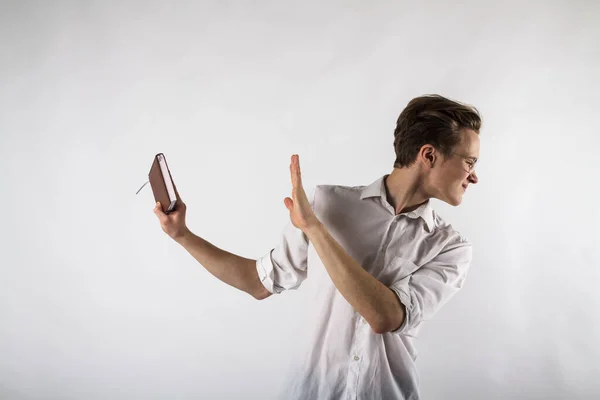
(455, 200)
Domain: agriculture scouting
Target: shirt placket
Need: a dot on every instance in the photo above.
(379, 262)
(357, 361)
(362, 327)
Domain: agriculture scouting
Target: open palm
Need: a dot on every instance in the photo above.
(301, 213)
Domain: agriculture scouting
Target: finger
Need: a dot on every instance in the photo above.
(299, 172)
(297, 175)
(289, 203)
(158, 210)
(295, 171)
(293, 178)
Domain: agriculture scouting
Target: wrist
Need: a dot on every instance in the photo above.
(314, 229)
(184, 237)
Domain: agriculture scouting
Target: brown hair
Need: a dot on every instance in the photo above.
(435, 120)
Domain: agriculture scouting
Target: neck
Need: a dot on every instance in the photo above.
(404, 190)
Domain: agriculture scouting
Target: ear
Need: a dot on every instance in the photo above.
(428, 155)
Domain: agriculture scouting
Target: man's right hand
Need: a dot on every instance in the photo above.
(173, 223)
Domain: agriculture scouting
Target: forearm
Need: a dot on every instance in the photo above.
(373, 300)
(234, 270)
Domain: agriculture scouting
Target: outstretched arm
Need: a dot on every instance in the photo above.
(234, 270)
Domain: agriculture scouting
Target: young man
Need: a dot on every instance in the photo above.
(390, 261)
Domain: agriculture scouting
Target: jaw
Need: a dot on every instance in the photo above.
(454, 199)
(446, 193)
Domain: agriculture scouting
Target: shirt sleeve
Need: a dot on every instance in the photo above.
(426, 290)
(285, 266)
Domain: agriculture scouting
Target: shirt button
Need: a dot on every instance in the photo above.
(356, 358)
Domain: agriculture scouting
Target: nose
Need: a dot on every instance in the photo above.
(473, 177)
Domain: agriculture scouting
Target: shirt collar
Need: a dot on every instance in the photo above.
(377, 189)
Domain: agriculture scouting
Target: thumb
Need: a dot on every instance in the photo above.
(289, 203)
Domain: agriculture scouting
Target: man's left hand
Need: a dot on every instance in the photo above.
(301, 213)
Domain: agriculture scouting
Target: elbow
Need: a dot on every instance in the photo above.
(381, 326)
(261, 293)
(379, 330)
(385, 328)
(390, 323)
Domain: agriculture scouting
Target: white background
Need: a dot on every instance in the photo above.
(96, 302)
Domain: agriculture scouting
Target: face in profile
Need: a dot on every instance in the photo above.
(451, 178)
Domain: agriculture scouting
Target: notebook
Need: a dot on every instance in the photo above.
(162, 184)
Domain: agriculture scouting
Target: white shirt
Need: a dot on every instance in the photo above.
(416, 254)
